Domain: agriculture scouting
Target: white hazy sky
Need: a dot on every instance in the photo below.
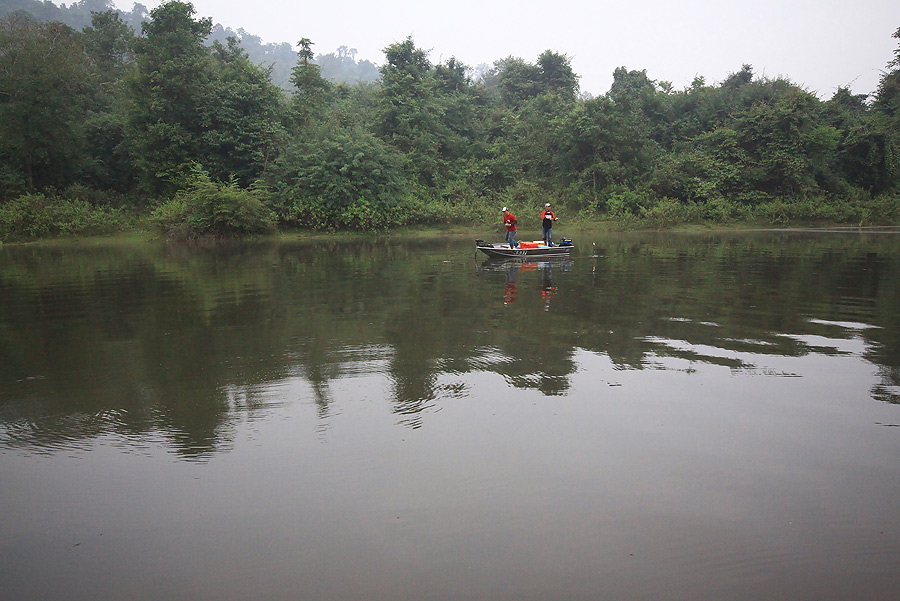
(818, 44)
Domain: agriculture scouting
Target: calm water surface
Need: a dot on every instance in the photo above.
(662, 416)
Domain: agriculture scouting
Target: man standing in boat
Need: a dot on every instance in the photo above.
(509, 220)
(547, 219)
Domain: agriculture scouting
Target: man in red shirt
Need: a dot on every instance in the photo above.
(509, 220)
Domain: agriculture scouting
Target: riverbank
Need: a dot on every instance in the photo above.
(580, 230)
(38, 218)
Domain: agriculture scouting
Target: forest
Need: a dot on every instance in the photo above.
(159, 119)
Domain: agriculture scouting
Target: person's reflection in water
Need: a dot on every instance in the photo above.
(548, 291)
(512, 286)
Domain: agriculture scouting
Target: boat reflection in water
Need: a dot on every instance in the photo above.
(512, 267)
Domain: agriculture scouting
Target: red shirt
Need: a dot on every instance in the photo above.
(510, 222)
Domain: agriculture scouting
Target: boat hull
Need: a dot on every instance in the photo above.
(504, 251)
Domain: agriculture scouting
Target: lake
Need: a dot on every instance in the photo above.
(676, 416)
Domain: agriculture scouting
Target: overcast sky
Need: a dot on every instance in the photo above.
(818, 44)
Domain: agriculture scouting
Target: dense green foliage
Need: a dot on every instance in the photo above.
(44, 90)
(204, 207)
(125, 118)
(37, 216)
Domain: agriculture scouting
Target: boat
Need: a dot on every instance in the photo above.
(525, 249)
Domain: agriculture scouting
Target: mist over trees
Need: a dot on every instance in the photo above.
(107, 122)
(339, 66)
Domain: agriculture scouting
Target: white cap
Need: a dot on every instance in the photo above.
(547, 205)
(505, 208)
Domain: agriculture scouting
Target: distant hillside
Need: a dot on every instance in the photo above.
(76, 15)
(338, 66)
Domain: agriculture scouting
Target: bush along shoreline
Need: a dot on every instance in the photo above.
(207, 209)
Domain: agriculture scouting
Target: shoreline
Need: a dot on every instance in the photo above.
(578, 228)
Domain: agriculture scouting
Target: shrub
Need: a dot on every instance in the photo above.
(624, 202)
(668, 212)
(38, 216)
(208, 208)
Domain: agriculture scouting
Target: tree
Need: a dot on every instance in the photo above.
(887, 106)
(887, 98)
(404, 58)
(239, 111)
(430, 113)
(783, 148)
(519, 81)
(605, 145)
(410, 118)
(864, 150)
(556, 74)
(337, 177)
(462, 107)
(108, 43)
(173, 72)
(310, 88)
(44, 85)
(739, 79)
(634, 92)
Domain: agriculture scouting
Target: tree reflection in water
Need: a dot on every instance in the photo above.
(177, 343)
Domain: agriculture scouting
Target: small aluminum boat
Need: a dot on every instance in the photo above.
(525, 249)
